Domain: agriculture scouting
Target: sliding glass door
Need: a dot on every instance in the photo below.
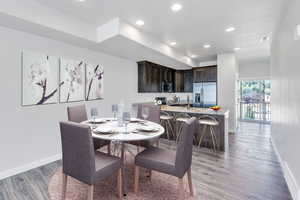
(254, 101)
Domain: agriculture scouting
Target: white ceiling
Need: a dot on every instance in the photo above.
(198, 23)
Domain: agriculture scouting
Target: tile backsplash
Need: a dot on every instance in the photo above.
(148, 97)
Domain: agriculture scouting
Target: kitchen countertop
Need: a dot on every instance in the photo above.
(195, 110)
(222, 115)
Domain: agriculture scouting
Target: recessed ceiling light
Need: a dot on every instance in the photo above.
(194, 56)
(140, 22)
(206, 46)
(230, 29)
(173, 43)
(176, 7)
(265, 38)
(237, 48)
(80, 0)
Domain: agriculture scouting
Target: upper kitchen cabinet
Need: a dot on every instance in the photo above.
(179, 81)
(184, 81)
(155, 78)
(205, 74)
(167, 77)
(149, 77)
(188, 80)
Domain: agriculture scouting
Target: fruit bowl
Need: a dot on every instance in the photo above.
(215, 108)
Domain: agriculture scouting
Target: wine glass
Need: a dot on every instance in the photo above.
(114, 109)
(126, 120)
(94, 114)
(134, 111)
(145, 113)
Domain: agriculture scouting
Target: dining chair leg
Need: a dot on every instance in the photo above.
(64, 186)
(181, 188)
(136, 179)
(90, 195)
(189, 173)
(120, 184)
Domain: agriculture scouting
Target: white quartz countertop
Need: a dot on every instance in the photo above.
(193, 110)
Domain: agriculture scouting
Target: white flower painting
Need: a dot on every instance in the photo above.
(40, 79)
(94, 82)
(72, 74)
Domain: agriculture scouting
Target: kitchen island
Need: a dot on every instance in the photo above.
(221, 116)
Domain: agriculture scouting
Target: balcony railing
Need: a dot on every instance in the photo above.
(255, 111)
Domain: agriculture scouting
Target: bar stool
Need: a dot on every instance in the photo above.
(210, 122)
(166, 121)
(180, 119)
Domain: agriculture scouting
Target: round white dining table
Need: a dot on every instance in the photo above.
(137, 130)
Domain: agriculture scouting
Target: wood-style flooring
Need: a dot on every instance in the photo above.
(249, 170)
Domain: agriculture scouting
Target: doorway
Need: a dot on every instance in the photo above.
(254, 101)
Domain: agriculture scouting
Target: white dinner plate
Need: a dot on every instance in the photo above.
(136, 120)
(103, 130)
(147, 128)
(97, 121)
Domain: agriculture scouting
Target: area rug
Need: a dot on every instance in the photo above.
(160, 187)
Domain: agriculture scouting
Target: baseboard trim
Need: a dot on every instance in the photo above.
(27, 167)
(288, 175)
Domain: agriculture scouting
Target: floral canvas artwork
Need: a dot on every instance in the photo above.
(94, 82)
(72, 74)
(39, 79)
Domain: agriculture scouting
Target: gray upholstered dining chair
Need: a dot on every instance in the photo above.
(78, 114)
(154, 116)
(170, 162)
(81, 162)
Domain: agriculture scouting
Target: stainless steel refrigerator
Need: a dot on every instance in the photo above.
(205, 94)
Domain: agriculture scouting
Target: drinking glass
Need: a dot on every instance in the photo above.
(134, 111)
(114, 109)
(145, 113)
(94, 114)
(126, 120)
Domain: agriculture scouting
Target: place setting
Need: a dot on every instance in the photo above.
(123, 122)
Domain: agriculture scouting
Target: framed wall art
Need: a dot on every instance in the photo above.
(39, 78)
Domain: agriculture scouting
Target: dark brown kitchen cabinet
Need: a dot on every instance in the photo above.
(167, 75)
(155, 78)
(212, 74)
(188, 81)
(179, 81)
(205, 74)
(184, 81)
(149, 77)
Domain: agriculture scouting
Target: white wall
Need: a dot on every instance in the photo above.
(256, 69)
(227, 79)
(30, 134)
(285, 76)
